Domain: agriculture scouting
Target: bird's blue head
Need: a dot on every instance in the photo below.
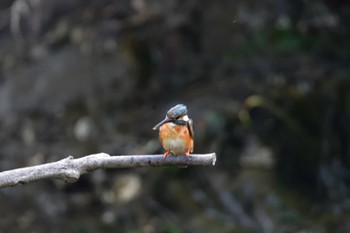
(177, 111)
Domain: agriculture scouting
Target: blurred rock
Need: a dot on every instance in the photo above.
(83, 128)
(126, 187)
(254, 155)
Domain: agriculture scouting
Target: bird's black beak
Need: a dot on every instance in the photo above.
(166, 120)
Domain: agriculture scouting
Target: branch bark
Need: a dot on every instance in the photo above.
(70, 169)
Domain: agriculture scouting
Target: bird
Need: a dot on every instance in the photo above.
(176, 131)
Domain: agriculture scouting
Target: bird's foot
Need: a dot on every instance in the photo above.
(167, 153)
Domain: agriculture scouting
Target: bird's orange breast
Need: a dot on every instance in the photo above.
(176, 138)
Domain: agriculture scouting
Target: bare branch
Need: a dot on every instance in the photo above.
(70, 169)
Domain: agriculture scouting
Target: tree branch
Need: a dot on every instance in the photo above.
(70, 169)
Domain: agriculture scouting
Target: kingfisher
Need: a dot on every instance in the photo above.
(176, 131)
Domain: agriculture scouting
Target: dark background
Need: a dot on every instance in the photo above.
(266, 83)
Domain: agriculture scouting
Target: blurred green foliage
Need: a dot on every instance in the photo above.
(308, 131)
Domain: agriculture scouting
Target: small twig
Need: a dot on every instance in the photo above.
(70, 169)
